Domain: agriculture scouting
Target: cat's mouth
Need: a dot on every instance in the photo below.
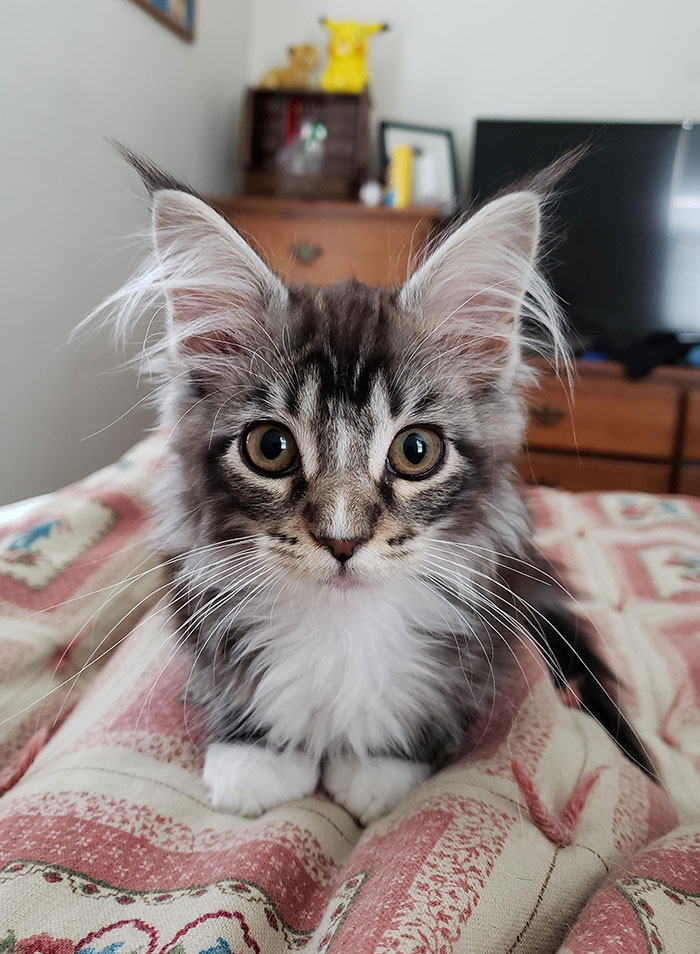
(343, 580)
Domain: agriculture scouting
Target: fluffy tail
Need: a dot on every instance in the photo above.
(566, 643)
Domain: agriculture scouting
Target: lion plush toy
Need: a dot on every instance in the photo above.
(302, 59)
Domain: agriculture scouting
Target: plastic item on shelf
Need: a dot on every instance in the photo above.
(303, 154)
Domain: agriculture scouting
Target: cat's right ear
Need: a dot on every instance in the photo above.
(471, 294)
(219, 294)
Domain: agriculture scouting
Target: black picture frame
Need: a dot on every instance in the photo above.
(419, 137)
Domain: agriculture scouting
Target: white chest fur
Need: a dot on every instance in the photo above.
(350, 669)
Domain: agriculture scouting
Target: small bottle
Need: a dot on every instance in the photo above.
(399, 177)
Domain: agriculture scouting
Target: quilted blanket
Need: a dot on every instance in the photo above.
(540, 838)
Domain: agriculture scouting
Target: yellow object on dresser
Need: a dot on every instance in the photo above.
(400, 167)
(296, 74)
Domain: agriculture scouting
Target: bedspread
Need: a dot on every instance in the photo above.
(540, 838)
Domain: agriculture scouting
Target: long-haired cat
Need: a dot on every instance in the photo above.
(352, 563)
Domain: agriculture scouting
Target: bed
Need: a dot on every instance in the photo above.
(540, 838)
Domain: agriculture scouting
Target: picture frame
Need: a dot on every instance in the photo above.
(434, 168)
(178, 15)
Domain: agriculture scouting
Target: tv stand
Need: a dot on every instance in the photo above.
(615, 434)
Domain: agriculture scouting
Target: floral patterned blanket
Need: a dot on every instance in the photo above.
(541, 838)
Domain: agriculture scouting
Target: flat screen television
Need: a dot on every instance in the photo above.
(627, 262)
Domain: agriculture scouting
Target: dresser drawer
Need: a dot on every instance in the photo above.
(689, 479)
(593, 473)
(606, 417)
(319, 251)
(322, 242)
(691, 430)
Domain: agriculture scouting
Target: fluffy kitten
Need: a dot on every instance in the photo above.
(352, 566)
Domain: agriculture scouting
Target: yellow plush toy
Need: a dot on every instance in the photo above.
(302, 59)
(346, 71)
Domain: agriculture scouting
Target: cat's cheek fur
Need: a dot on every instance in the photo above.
(250, 779)
(371, 787)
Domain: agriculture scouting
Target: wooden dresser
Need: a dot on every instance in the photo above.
(613, 434)
(321, 242)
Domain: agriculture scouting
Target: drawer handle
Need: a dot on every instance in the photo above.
(546, 415)
(305, 252)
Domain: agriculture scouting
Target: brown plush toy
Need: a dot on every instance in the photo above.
(302, 59)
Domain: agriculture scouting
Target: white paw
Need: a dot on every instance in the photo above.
(249, 779)
(372, 787)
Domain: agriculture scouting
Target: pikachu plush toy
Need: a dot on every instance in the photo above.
(346, 71)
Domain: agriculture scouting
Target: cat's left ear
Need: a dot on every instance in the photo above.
(469, 294)
(219, 293)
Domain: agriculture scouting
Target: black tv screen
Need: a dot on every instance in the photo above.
(627, 218)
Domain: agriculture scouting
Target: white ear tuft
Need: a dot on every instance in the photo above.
(471, 293)
(217, 289)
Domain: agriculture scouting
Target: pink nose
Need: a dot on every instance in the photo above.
(342, 550)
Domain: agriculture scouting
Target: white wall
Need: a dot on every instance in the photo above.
(70, 74)
(445, 62)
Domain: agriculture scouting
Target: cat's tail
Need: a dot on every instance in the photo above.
(566, 642)
(573, 661)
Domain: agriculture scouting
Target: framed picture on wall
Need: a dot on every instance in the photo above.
(177, 15)
(433, 168)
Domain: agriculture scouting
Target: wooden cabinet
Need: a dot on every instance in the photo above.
(609, 433)
(322, 242)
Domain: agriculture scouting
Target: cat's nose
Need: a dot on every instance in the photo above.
(342, 550)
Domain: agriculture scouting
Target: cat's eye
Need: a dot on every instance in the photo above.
(270, 448)
(415, 453)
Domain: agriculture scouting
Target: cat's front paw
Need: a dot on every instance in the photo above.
(372, 787)
(250, 779)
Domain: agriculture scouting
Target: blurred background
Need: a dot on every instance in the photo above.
(293, 146)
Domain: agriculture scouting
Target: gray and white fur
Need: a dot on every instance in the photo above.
(344, 622)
